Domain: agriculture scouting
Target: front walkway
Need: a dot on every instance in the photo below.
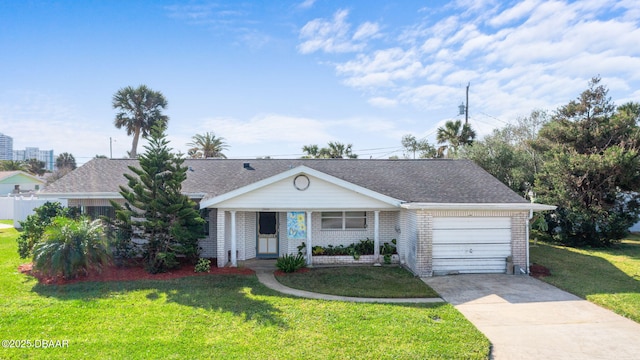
(264, 270)
(525, 318)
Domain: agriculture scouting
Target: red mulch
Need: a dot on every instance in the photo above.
(115, 273)
(539, 271)
(299, 271)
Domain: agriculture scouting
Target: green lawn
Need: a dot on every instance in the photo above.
(359, 281)
(217, 316)
(607, 277)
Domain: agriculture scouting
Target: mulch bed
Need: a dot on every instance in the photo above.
(539, 271)
(129, 273)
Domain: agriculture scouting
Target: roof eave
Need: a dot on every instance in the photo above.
(478, 206)
(99, 195)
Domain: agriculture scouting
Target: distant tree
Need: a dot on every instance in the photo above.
(10, 165)
(139, 110)
(100, 157)
(454, 135)
(590, 170)
(206, 146)
(507, 153)
(334, 150)
(312, 151)
(155, 206)
(421, 147)
(65, 161)
(35, 167)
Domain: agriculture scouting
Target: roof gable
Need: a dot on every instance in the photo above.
(18, 177)
(325, 191)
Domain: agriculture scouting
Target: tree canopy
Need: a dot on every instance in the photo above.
(413, 147)
(207, 145)
(139, 110)
(66, 161)
(590, 170)
(454, 135)
(334, 150)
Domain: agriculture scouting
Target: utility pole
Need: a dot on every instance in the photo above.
(466, 110)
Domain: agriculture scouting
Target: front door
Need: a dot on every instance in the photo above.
(267, 235)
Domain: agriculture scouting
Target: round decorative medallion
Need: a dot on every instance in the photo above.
(301, 182)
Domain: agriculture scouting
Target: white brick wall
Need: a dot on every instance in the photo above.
(208, 246)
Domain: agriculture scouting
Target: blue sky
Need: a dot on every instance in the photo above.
(272, 76)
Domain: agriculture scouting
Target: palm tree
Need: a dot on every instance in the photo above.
(65, 161)
(140, 109)
(35, 167)
(207, 145)
(335, 150)
(313, 151)
(454, 135)
(11, 165)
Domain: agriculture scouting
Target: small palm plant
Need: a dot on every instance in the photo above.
(71, 247)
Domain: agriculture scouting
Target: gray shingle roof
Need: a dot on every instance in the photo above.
(429, 181)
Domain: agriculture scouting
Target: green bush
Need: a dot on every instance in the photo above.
(34, 226)
(289, 263)
(389, 248)
(163, 261)
(71, 247)
(203, 265)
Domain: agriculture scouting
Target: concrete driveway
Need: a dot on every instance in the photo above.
(525, 318)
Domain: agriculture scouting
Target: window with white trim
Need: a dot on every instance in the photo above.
(344, 220)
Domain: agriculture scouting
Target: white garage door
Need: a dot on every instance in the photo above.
(471, 244)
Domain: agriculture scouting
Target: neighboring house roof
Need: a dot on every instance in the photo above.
(414, 181)
(5, 176)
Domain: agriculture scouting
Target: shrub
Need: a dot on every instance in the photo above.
(289, 263)
(71, 247)
(34, 226)
(203, 265)
(388, 248)
(317, 250)
(161, 262)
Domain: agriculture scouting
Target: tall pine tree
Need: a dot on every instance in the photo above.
(156, 209)
(592, 157)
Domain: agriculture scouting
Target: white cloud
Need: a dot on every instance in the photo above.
(366, 30)
(519, 11)
(306, 4)
(518, 57)
(333, 36)
(383, 102)
(269, 127)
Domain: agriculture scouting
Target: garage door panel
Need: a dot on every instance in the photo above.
(472, 223)
(473, 236)
(467, 251)
(444, 266)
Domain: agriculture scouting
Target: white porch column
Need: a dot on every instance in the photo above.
(234, 240)
(221, 251)
(376, 236)
(309, 244)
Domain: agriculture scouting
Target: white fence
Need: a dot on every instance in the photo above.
(18, 208)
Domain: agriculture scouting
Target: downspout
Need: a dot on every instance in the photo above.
(527, 235)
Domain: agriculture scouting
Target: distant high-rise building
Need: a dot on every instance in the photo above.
(6, 147)
(36, 153)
